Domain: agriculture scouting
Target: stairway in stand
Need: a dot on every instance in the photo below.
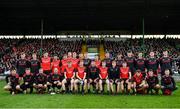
(84, 48)
(101, 51)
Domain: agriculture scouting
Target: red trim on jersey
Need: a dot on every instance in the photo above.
(75, 62)
(46, 63)
(124, 72)
(56, 64)
(69, 72)
(103, 72)
(81, 72)
(138, 79)
(98, 63)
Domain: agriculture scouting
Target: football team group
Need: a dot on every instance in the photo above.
(130, 74)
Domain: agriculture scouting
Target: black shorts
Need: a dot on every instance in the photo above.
(138, 86)
(151, 86)
(68, 80)
(170, 86)
(25, 86)
(38, 86)
(93, 80)
(114, 81)
(117, 80)
(54, 85)
(124, 79)
(14, 86)
(103, 81)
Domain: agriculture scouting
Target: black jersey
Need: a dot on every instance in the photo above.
(40, 78)
(28, 78)
(131, 63)
(167, 80)
(140, 64)
(14, 79)
(35, 66)
(113, 73)
(165, 63)
(54, 77)
(152, 63)
(108, 62)
(93, 72)
(87, 62)
(119, 62)
(21, 65)
(152, 81)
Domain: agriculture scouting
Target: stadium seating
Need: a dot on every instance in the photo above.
(10, 48)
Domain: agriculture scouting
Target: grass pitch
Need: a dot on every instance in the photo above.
(87, 101)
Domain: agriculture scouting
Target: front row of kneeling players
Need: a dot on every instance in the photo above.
(81, 78)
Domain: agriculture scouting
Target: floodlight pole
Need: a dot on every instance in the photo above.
(42, 26)
(143, 32)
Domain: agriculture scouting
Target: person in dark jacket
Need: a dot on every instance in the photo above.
(40, 82)
(27, 81)
(168, 83)
(113, 74)
(13, 83)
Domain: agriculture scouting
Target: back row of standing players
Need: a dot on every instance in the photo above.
(139, 63)
(126, 72)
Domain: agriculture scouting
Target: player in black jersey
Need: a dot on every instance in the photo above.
(113, 74)
(54, 82)
(22, 64)
(152, 82)
(93, 76)
(40, 83)
(27, 81)
(165, 63)
(130, 61)
(34, 64)
(168, 83)
(152, 63)
(108, 60)
(13, 83)
(119, 60)
(87, 61)
(140, 64)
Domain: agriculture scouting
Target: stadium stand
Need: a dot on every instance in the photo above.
(136, 45)
(12, 52)
(11, 49)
